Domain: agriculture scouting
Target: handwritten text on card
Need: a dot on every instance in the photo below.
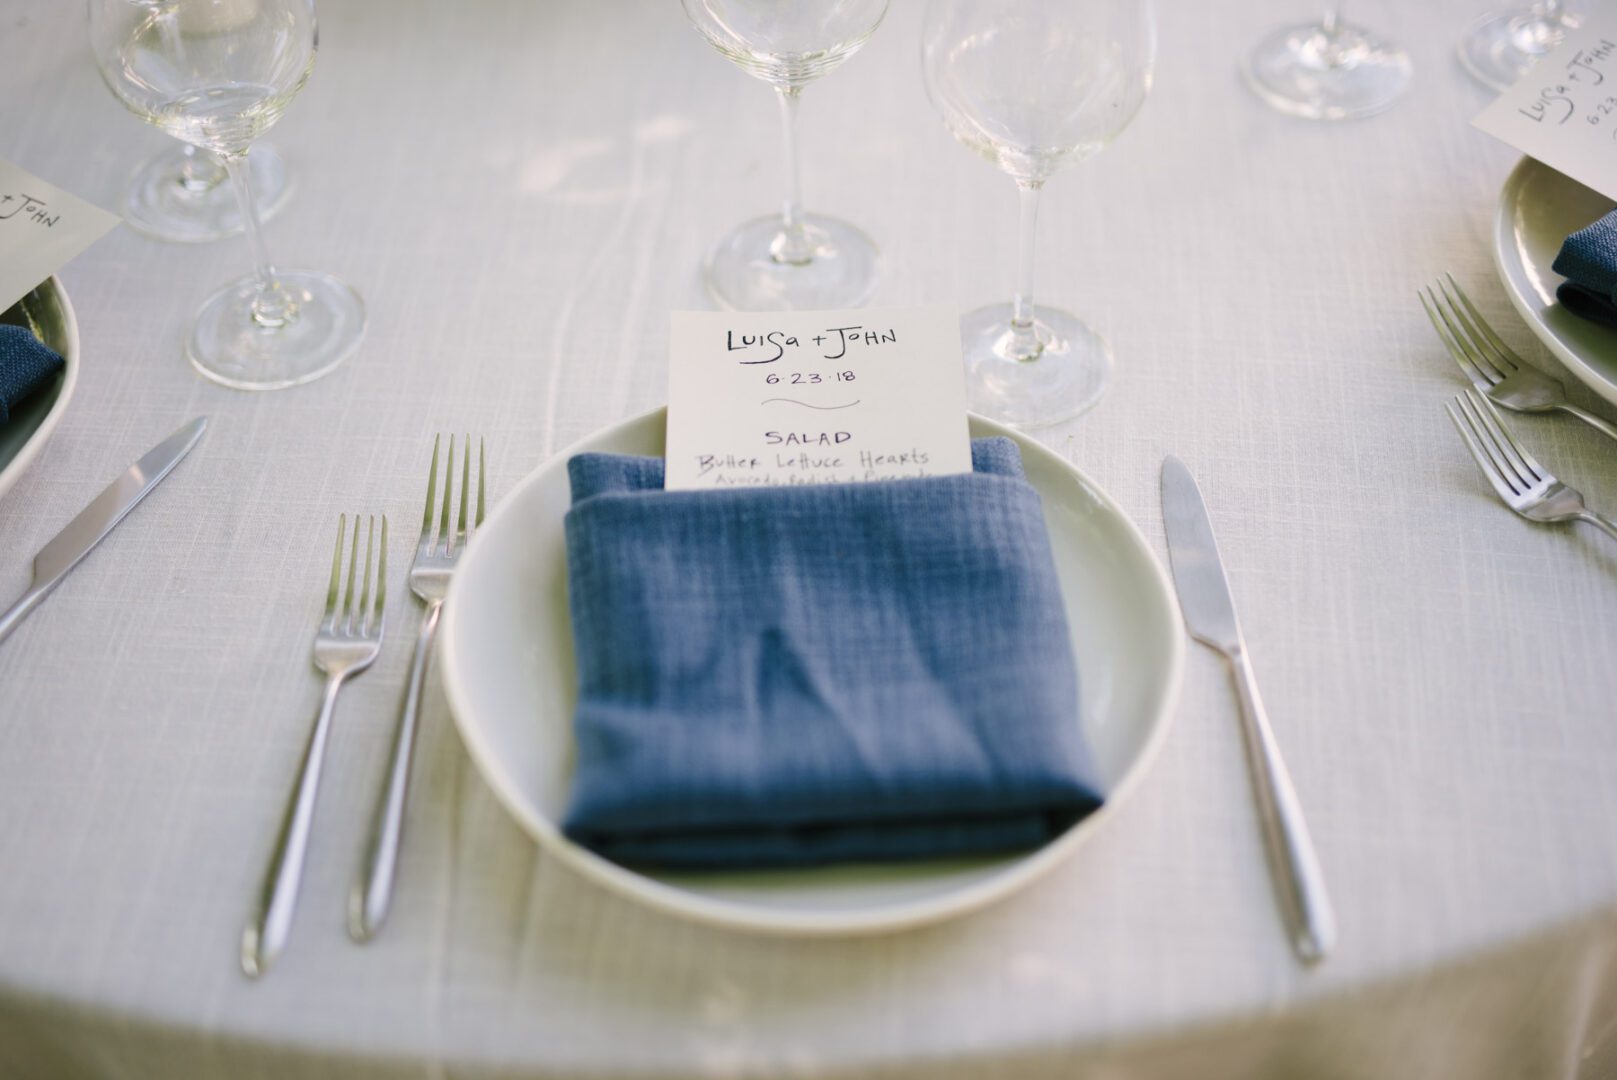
(1564, 111)
(814, 398)
(41, 228)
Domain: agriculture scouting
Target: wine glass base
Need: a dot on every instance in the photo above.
(1309, 72)
(230, 347)
(743, 274)
(1068, 377)
(1499, 49)
(160, 204)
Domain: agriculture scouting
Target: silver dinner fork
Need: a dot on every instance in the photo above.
(1525, 486)
(348, 641)
(435, 559)
(1493, 367)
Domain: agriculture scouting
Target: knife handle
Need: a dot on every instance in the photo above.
(25, 603)
(1301, 885)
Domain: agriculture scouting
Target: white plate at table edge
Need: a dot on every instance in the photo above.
(45, 411)
(844, 900)
(1538, 208)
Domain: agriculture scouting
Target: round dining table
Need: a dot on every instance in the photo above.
(522, 191)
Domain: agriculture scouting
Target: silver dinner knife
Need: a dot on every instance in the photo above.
(1204, 596)
(95, 521)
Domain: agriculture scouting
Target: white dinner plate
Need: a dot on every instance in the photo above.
(1538, 208)
(507, 659)
(48, 314)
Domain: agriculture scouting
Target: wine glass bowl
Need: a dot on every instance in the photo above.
(786, 43)
(1033, 87)
(794, 260)
(213, 73)
(217, 74)
(1031, 94)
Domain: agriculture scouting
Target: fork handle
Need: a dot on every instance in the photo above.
(271, 921)
(1601, 522)
(1303, 901)
(1600, 424)
(373, 889)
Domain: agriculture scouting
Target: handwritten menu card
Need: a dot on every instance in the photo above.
(1564, 111)
(41, 228)
(814, 397)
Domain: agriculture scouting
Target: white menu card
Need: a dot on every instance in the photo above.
(814, 397)
(1564, 111)
(41, 228)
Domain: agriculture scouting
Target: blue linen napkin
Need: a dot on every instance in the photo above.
(789, 676)
(1588, 261)
(26, 366)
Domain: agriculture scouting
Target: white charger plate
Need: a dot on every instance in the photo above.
(47, 312)
(507, 658)
(1538, 208)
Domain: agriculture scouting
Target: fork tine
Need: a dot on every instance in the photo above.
(1531, 468)
(362, 616)
(482, 472)
(1428, 300)
(348, 596)
(330, 620)
(432, 496)
(1462, 424)
(1504, 352)
(445, 537)
(1466, 335)
(465, 493)
(1491, 443)
(381, 578)
(1479, 344)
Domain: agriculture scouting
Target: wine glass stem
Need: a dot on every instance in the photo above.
(272, 307)
(1024, 342)
(791, 246)
(1333, 19)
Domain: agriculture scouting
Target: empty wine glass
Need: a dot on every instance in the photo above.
(184, 194)
(1500, 48)
(793, 260)
(1329, 70)
(217, 74)
(1034, 86)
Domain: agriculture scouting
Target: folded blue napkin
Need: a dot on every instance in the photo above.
(26, 366)
(1588, 261)
(786, 676)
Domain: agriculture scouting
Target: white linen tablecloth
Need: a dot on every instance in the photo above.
(522, 191)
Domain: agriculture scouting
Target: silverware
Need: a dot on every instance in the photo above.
(435, 559)
(348, 641)
(96, 520)
(1493, 367)
(1522, 483)
(1204, 596)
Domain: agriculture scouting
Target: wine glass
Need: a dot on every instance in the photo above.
(1034, 86)
(1329, 70)
(184, 194)
(795, 260)
(217, 74)
(1500, 48)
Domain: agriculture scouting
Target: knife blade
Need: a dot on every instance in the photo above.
(1209, 610)
(1198, 571)
(65, 550)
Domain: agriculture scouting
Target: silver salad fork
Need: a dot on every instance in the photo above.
(435, 558)
(1493, 367)
(348, 641)
(1520, 481)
